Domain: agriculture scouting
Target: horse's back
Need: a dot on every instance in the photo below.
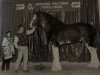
(74, 33)
(67, 33)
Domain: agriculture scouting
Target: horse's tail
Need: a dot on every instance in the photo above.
(92, 41)
(96, 40)
(93, 38)
(88, 34)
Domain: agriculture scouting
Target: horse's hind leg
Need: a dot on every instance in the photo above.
(94, 63)
(56, 66)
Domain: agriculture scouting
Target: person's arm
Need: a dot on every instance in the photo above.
(3, 46)
(4, 42)
(16, 42)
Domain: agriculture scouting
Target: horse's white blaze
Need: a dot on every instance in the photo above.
(33, 19)
(94, 63)
(56, 66)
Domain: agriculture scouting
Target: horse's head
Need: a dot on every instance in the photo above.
(41, 21)
(47, 22)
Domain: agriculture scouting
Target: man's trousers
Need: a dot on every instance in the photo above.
(22, 53)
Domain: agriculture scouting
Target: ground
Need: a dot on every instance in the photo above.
(69, 68)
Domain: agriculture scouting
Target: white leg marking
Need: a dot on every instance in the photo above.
(94, 63)
(56, 66)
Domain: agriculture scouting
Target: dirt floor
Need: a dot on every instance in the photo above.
(69, 68)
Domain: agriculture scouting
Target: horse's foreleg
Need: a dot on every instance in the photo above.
(94, 63)
(56, 66)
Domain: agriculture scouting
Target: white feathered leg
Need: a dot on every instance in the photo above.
(94, 63)
(56, 66)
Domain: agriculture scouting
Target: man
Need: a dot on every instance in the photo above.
(21, 42)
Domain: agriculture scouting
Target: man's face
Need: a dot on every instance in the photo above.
(21, 30)
(8, 35)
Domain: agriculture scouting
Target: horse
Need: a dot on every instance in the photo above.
(59, 34)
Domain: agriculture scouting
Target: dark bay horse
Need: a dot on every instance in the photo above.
(59, 34)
